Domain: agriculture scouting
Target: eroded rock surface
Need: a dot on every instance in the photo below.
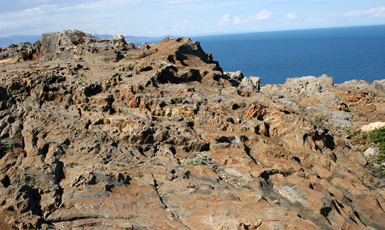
(158, 137)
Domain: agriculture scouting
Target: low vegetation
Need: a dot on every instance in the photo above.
(246, 186)
(378, 136)
(321, 118)
(376, 163)
(6, 145)
(24, 55)
(203, 159)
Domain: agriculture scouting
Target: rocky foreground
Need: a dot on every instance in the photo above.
(108, 135)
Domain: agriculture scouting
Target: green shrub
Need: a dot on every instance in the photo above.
(359, 137)
(6, 145)
(24, 54)
(203, 159)
(321, 118)
(377, 136)
(247, 186)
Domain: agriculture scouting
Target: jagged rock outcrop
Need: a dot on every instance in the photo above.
(69, 45)
(332, 103)
(162, 138)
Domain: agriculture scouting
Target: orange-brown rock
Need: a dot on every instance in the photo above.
(159, 137)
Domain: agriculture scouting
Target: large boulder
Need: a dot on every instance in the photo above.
(53, 42)
(309, 83)
(250, 84)
(238, 75)
(372, 126)
(118, 37)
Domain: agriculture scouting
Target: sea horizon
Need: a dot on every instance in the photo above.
(344, 53)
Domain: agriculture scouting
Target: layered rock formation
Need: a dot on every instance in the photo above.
(109, 135)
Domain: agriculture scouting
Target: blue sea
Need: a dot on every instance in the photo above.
(342, 53)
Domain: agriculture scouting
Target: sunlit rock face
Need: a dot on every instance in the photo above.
(103, 134)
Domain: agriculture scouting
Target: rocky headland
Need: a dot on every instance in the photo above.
(103, 134)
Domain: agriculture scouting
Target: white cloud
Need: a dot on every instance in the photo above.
(373, 12)
(137, 17)
(89, 16)
(291, 16)
(224, 18)
(183, 25)
(265, 14)
(35, 10)
(238, 21)
(317, 19)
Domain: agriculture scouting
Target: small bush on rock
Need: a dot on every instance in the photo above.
(203, 159)
(24, 55)
(376, 164)
(6, 145)
(359, 137)
(378, 136)
(246, 186)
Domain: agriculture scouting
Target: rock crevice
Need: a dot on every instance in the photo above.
(98, 133)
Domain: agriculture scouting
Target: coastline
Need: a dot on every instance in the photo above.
(104, 134)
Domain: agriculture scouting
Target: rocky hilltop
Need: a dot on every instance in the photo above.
(103, 134)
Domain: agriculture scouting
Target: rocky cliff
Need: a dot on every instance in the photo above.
(103, 134)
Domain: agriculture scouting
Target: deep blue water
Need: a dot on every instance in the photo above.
(342, 53)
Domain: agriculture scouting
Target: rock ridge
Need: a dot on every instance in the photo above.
(103, 134)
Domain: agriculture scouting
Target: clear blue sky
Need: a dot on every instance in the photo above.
(183, 17)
